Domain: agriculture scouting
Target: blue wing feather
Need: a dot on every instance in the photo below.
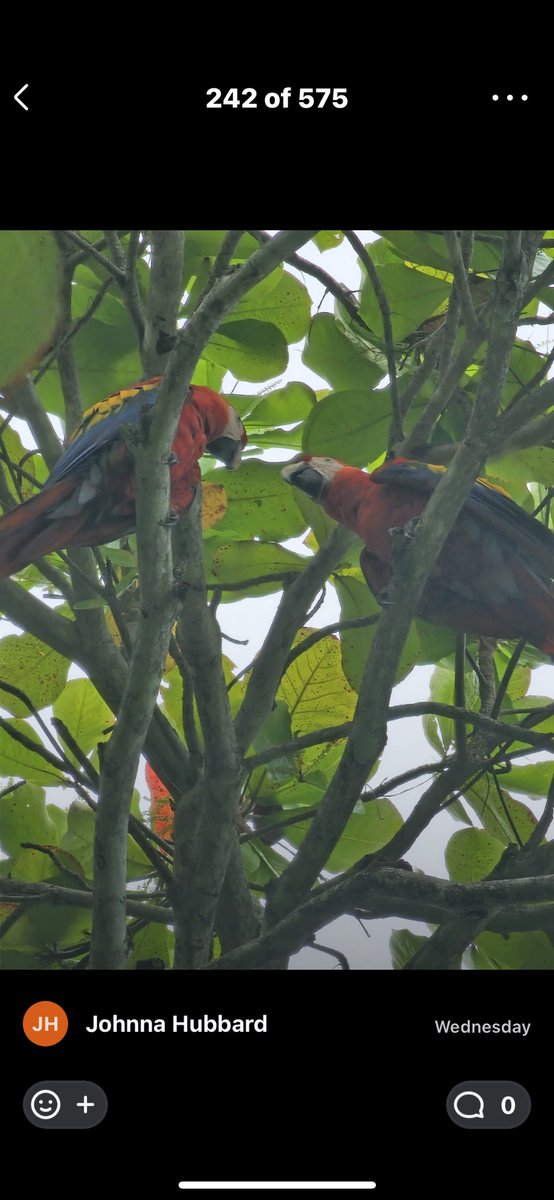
(98, 433)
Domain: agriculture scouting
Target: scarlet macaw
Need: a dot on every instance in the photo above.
(89, 497)
(493, 576)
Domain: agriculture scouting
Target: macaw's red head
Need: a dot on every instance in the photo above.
(311, 475)
(340, 489)
(225, 432)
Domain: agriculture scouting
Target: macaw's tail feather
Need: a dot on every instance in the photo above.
(51, 520)
(25, 527)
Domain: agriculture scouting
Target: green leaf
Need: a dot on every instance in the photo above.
(44, 927)
(34, 668)
(518, 952)
(259, 503)
(429, 249)
(471, 854)
(315, 689)
(262, 863)
(281, 300)
(534, 465)
(206, 243)
(275, 731)
(440, 730)
(503, 816)
(29, 301)
(235, 562)
(435, 642)
(251, 350)
(59, 818)
(332, 354)
(534, 779)
(281, 407)
(413, 296)
(327, 239)
(18, 762)
(23, 818)
(107, 359)
(84, 713)
(353, 426)
(365, 833)
(403, 945)
(154, 942)
(79, 841)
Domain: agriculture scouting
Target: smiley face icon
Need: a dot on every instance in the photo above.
(45, 1104)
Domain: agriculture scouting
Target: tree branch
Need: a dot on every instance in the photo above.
(164, 296)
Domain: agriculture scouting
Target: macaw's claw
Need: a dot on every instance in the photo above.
(170, 520)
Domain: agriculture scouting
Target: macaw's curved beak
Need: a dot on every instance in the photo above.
(229, 445)
(306, 478)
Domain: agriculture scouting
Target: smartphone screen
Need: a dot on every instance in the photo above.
(276, 567)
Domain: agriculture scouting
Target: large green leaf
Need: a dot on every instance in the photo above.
(206, 243)
(327, 239)
(315, 688)
(155, 942)
(471, 854)
(23, 818)
(34, 668)
(534, 779)
(440, 731)
(29, 300)
(84, 713)
(365, 833)
(252, 350)
(239, 562)
(107, 360)
(262, 863)
(332, 354)
(259, 503)
(412, 295)
(429, 249)
(282, 406)
(507, 819)
(280, 299)
(18, 762)
(350, 426)
(518, 952)
(403, 945)
(515, 471)
(79, 841)
(353, 426)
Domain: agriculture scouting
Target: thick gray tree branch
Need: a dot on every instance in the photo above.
(389, 891)
(165, 288)
(205, 823)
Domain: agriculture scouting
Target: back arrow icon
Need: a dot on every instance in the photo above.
(17, 95)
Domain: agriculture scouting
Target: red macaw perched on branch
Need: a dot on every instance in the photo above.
(493, 576)
(89, 498)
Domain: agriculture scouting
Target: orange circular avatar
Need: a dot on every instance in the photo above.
(45, 1023)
